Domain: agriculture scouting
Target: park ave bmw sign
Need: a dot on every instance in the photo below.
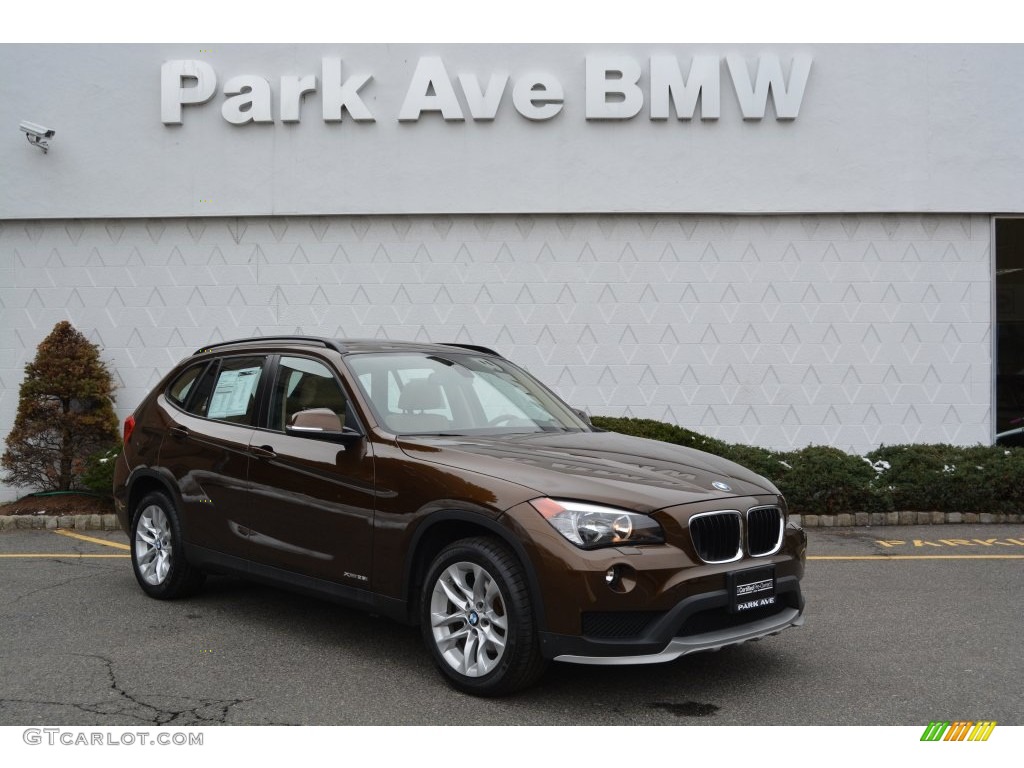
(616, 87)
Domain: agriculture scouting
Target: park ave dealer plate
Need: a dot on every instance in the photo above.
(750, 589)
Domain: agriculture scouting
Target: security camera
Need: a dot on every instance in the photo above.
(37, 134)
(39, 131)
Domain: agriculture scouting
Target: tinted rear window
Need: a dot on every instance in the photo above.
(184, 385)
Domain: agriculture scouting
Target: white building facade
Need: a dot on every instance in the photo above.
(779, 245)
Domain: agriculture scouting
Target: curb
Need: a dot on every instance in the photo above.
(844, 520)
(52, 522)
(869, 519)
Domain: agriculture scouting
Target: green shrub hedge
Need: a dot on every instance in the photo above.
(819, 480)
(99, 470)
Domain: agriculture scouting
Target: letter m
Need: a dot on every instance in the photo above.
(935, 730)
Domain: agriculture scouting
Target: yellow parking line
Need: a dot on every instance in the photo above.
(104, 542)
(915, 557)
(61, 555)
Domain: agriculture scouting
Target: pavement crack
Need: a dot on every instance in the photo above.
(161, 710)
(36, 591)
(129, 708)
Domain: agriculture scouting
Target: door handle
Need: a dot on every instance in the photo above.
(262, 451)
(178, 432)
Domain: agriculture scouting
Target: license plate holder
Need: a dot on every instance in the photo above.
(752, 588)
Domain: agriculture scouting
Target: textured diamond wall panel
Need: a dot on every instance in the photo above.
(782, 331)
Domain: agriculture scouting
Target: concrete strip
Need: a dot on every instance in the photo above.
(66, 555)
(915, 557)
(109, 522)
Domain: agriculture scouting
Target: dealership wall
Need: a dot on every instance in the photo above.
(850, 330)
(818, 269)
(881, 128)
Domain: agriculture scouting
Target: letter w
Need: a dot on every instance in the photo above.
(754, 98)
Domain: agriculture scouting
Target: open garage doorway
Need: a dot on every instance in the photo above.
(1010, 331)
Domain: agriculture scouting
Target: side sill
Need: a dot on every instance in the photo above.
(217, 562)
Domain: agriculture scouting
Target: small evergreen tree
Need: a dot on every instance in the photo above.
(65, 413)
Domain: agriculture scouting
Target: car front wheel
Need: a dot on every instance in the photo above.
(477, 619)
(158, 556)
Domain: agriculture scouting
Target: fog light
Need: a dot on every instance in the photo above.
(620, 578)
(611, 576)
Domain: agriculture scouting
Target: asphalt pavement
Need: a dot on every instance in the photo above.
(904, 625)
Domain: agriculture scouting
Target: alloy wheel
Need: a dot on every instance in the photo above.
(468, 619)
(153, 549)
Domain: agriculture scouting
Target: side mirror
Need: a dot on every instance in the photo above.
(320, 424)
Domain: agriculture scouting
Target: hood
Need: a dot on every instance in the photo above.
(603, 467)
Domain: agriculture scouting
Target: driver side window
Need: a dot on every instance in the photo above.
(303, 385)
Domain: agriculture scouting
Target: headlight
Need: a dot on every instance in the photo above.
(591, 526)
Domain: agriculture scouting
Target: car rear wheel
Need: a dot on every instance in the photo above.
(158, 556)
(477, 619)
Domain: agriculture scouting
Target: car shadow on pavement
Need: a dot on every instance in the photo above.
(394, 657)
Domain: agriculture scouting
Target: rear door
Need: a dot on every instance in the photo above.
(207, 449)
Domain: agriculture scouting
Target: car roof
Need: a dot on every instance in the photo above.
(343, 346)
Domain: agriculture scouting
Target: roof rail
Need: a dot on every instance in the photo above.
(473, 348)
(324, 342)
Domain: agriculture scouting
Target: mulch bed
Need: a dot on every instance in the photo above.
(63, 504)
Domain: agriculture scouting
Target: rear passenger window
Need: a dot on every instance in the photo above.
(233, 397)
(184, 385)
(220, 389)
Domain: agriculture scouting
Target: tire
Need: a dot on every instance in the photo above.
(477, 619)
(158, 554)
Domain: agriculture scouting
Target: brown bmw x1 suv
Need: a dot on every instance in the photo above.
(441, 485)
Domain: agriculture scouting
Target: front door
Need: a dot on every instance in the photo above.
(312, 500)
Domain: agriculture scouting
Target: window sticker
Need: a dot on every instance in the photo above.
(234, 389)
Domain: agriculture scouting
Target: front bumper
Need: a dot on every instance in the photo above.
(698, 623)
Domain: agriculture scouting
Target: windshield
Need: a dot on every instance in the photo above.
(456, 393)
